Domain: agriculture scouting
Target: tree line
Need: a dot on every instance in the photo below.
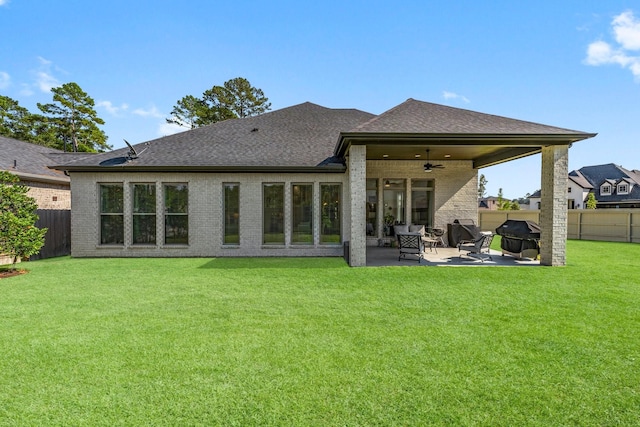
(70, 122)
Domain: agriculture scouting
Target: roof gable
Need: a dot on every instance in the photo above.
(414, 116)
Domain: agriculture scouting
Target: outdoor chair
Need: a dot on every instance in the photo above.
(480, 247)
(410, 244)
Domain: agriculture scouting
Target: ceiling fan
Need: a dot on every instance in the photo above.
(428, 167)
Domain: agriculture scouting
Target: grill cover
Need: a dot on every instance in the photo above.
(462, 229)
(521, 229)
(518, 235)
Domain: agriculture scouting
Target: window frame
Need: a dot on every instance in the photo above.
(225, 205)
(279, 222)
(110, 214)
(327, 210)
(135, 214)
(170, 215)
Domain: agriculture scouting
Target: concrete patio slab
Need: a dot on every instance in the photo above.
(444, 257)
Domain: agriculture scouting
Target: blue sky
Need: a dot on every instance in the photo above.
(572, 64)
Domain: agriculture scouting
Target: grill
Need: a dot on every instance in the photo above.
(519, 236)
(462, 229)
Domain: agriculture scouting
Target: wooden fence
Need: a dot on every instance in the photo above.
(613, 225)
(57, 241)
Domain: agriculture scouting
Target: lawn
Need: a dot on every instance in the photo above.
(297, 342)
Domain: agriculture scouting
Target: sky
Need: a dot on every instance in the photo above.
(571, 64)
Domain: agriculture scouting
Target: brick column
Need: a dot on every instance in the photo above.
(553, 205)
(357, 166)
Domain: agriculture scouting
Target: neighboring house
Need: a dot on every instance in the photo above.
(50, 188)
(490, 203)
(613, 187)
(302, 181)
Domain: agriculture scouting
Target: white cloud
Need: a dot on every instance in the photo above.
(626, 29)
(165, 129)
(452, 95)
(112, 109)
(5, 79)
(3, 2)
(44, 79)
(151, 112)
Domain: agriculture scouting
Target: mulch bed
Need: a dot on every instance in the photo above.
(6, 273)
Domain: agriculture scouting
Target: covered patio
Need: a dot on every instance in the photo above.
(439, 150)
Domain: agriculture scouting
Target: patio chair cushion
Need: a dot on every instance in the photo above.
(413, 228)
(401, 228)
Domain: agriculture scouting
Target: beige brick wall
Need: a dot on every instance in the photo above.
(205, 215)
(456, 186)
(455, 197)
(49, 196)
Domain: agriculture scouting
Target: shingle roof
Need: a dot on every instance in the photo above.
(414, 116)
(302, 136)
(579, 178)
(22, 158)
(611, 173)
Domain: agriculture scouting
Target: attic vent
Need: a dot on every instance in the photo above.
(254, 130)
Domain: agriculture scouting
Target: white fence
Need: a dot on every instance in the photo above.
(613, 225)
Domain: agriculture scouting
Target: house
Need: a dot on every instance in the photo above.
(304, 181)
(613, 187)
(490, 203)
(50, 188)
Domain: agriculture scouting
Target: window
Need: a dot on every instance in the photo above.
(393, 197)
(273, 214)
(623, 188)
(176, 214)
(372, 206)
(144, 214)
(302, 214)
(605, 190)
(422, 202)
(111, 214)
(331, 215)
(569, 190)
(231, 214)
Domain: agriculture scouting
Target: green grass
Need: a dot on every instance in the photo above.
(296, 342)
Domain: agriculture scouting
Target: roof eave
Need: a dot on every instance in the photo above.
(347, 139)
(206, 169)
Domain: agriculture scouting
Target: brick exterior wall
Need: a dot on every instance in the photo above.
(455, 197)
(553, 205)
(49, 196)
(205, 215)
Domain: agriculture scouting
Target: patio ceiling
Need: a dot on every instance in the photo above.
(482, 150)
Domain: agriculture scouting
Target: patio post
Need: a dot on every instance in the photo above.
(553, 205)
(357, 166)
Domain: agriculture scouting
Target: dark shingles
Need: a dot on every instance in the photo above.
(23, 157)
(299, 136)
(598, 174)
(414, 116)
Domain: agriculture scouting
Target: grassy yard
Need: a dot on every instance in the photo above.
(297, 342)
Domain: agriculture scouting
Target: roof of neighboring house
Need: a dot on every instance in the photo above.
(612, 174)
(297, 137)
(580, 179)
(29, 161)
(413, 116)
(536, 194)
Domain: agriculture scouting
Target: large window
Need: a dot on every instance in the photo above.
(302, 214)
(144, 214)
(273, 214)
(372, 207)
(422, 202)
(176, 214)
(231, 214)
(111, 214)
(330, 197)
